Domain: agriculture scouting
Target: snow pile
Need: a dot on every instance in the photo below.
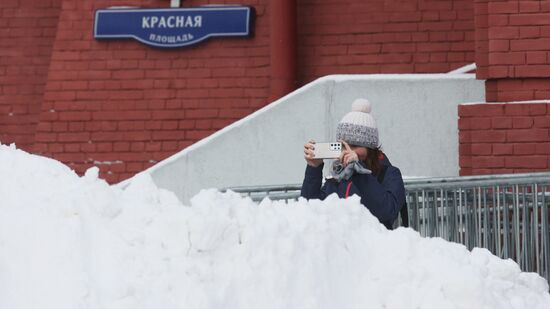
(75, 242)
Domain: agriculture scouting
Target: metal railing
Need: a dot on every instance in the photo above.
(507, 214)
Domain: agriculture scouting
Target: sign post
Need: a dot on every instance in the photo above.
(175, 3)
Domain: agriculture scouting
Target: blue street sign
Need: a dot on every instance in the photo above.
(169, 28)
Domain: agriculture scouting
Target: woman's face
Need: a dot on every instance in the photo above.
(360, 151)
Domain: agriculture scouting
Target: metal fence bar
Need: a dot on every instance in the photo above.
(536, 222)
(526, 231)
(498, 230)
(445, 213)
(545, 236)
(515, 224)
(455, 217)
(460, 211)
(415, 211)
(486, 225)
(507, 214)
(423, 214)
(506, 226)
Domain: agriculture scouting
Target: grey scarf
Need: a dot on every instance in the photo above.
(339, 172)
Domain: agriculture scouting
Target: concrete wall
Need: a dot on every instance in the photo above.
(416, 115)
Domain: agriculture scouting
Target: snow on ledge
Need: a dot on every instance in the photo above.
(438, 76)
(465, 69)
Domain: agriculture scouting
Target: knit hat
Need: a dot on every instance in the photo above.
(358, 127)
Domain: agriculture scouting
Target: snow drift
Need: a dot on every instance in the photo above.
(76, 242)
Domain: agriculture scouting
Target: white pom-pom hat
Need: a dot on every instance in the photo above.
(358, 126)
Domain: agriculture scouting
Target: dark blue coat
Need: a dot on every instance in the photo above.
(384, 200)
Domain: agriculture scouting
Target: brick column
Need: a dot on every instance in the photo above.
(513, 56)
(513, 49)
(282, 48)
(482, 38)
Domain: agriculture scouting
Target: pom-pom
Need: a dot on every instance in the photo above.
(361, 105)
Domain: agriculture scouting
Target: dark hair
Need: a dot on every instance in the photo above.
(373, 159)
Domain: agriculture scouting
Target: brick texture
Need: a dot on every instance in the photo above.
(517, 89)
(123, 106)
(27, 33)
(392, 36)
(512, 43)
(514, 139)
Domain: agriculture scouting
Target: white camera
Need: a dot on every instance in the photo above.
(331, 150)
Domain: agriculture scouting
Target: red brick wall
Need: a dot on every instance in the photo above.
(391, 36)
(504, 138)
(27, 32)
(512, 54)
(123, 106)
(517, 89)
(513, 49)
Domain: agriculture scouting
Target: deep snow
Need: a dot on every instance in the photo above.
(76, 242)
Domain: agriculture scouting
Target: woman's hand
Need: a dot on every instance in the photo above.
(348, 155)
(309, 156)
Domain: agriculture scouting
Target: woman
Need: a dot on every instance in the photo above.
(361, 169)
